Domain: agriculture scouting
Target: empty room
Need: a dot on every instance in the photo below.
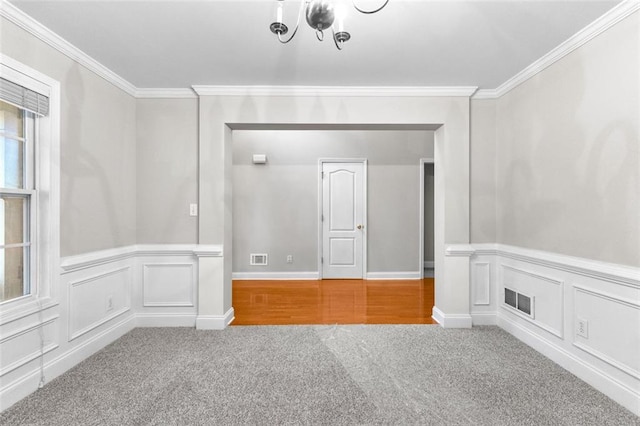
(320, 212)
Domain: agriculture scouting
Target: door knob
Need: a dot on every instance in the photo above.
(360, 226)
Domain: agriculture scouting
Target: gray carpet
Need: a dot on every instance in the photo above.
(333, 375)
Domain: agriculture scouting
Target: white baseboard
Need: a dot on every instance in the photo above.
(452, 320)
(164, 319)
(394, 275)
(484, 318)
(276, 276)
(623, 395)
(215, 322)
(28, 384)
(316, 276)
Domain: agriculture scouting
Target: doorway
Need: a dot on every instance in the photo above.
(342, 206)
(427, 218)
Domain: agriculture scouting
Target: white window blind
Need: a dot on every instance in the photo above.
(24, 98)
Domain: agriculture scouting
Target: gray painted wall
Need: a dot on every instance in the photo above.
(568, 157)
(483, 171)
(98, 148)
(167, 170)
(275, 206)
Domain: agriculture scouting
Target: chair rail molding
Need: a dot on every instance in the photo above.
(567, 291)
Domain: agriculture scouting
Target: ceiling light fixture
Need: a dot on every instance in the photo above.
(320, 15)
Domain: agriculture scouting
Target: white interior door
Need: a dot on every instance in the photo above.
(343, 205)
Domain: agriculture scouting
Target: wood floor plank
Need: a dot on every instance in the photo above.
(257, 302)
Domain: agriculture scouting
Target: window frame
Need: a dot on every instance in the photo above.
(30, 194)
(45, 201)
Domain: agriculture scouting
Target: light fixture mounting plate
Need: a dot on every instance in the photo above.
(342, 36)
(279, 28)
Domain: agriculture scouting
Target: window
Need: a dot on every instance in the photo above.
(17, 200)
(29, 190)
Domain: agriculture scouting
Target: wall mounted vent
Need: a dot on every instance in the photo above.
(258, 259)
(518, 301)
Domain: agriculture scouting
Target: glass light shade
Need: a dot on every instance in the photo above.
(320, 15)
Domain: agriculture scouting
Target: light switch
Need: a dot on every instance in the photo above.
(193, 210)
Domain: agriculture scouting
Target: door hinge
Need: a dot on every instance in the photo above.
(322, 260)
(321, 175)
(321, 218)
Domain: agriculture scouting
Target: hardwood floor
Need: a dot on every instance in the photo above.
(333, 302)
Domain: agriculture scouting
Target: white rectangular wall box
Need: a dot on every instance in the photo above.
(259, 158)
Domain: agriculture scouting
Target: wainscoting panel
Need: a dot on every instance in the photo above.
(547, 293)
(594, 310)
(167, 291)
(483, 299)
(97, 299)
(169, 284)
(481, 280)
(24, 345)
(586, 314)
(100, 296)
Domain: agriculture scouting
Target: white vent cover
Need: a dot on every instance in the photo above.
(258, 259)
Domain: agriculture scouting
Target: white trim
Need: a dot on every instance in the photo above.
(215, 322)
(165, 319)
(394, 275)
(484, 94)
(24, 330)
(208, 250)
(146, 267)
(597, 27)
(26, 310)
(476, 267)
(276, 276)
(175, 249)
(484, 318)
(98, 323)
(74, 334)
(532, 317)
(612, 272)
(95, 258)
(28, 358)
(337, 91)
(35, 28)
(610, 376)
(603, 382)
(28, 383)
(167, 93)
(32, 79)
(603, 23)
(594, 352)
(452, 320)
(46, 210)
(461, 250)
(485, 249)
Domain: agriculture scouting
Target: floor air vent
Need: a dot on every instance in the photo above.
(258, 259)
(519, 301)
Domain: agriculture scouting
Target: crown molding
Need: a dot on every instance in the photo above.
(485, 94)
(364, 91)
(169, 93)
(35, 28)
(606, 21)
(597, 27)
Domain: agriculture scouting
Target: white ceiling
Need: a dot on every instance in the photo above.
(177, 44)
